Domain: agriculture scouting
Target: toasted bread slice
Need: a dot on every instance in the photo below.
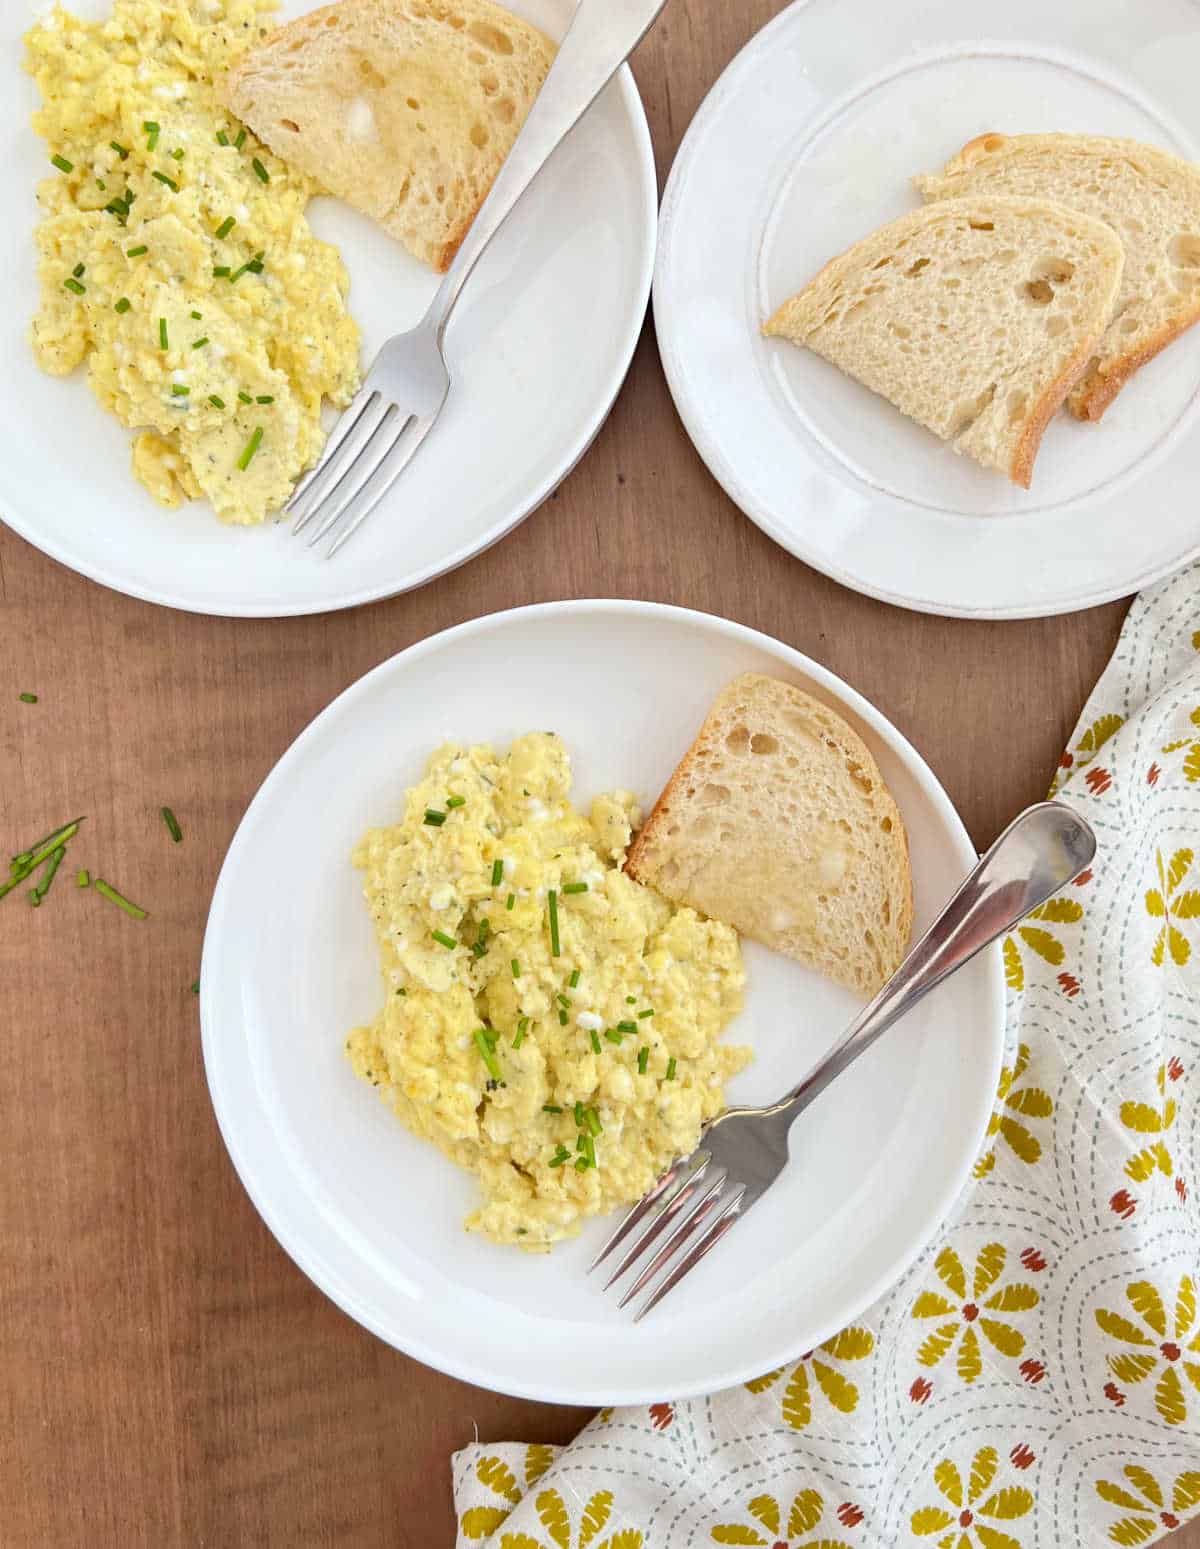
(778, 823)
(974, 316)
(1150, 198)
(404, 108)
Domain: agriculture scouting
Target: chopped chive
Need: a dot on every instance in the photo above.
(516, 969)
(178, 390)
(245, 398)
(217, 403)
(123, 306)
(225, 228)
(592, 1119)
(76, 287)
(78, 271)
(498, 873)
(485, 1053)
(62, 163)
(164, 342)
(252, 446)
(642, 1015)
(485, 925)
(222, 137)
(595, 1043)
(198, 344)
(195, 986)
(613, 1036)
(101, 185)
(631, 1000)
(671, 1068)
(28, 699)
(152, 132)
(551, 1108)
(221, 272)
(172, 823)
(478, 948)
(136, 252)
(522, 1029)
(575, 887)
(169, 181)
(81, 877)
(627, 1027)
(588, 1159)
(24, 863)
(434, 818)
(197, 316)
(578, 1111)
(555, 945)
(451, 801)
(643, 1059)
(510, 901)
(563, 1019)
(115, 207)
(443, 940)
(43, 887)
(563, 1001)
(177, 154)
(493, 1037)
(240, 141)
(260, 171)
(114, 897)
(121, 150)
(560, 1156)
(573, 981)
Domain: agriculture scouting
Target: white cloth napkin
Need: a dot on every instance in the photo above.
(1035, 1379)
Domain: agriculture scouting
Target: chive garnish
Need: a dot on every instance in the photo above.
(579, 1114)
(592, 1119)
(78, 271)
(117, 208)
(510, 901)
(221, 272)
(485, 925)
(172, 823)
(631, 1000)
(643, 1014)
(551, 1108)
(28, 699)
(43, 887)
(575, 887)
(169, 181)
(198, 344)
(245, 398)
(240, 141)
(643, 1059)
(671, 1068)
(613, 1036)
(560, 1156)
(121, 150)
(24, 863)
(485, 1053)
(451, 801)
(217, 403)
(555, 945)
(74, 285)
(252, 446)
(573, 981)
(579, 1142)
(443, 940)
(114, 897)
(196, 316)
(260, 171)
(563, 1019)
(152, 132)
(177, 154)
(522, 1029)
(195, 986)
(164, 342)
(595, 1043)
(136, 252)
(123, 305)
(81, 877)
(434, 818)
(62, 163)
(178, 390)
(627, 1027)
(222, 137)
(588, 1159)
(563, 1001)
(225, 228)
(516, 969)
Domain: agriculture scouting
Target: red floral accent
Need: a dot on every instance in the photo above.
(1122, 1204)
(1097, 781)
(1114, 1395)
(1175, 1067)
(662, 1416)
(970, 1312)
(1070, 985)
(1084, 877)
(1022, 1456)
(1152, 774)
(1033, 1260)
(920, 1390)
(1066, 761)
(1169, 1519)
(1171, 1351)
(848, 1515)
(1033, 1372)
(1181, 1189)
(965, 1518)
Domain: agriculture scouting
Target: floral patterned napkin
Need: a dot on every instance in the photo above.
(1035, 1379)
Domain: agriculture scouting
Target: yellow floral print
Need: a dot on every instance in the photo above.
(1191, 764)
(852, 1344)
(1166, 903)
(556, 1520)
(803, 1518)
(974, 1501)
(1144, 1496)
(961, 1317)
(1055, 911)
(1154, 1352)
(1145, 1119)
(1097, 734)
(1030, 1102)
(494, 1474)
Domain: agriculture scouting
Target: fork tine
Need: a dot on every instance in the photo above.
(404, 449)
(661, 1221)
(727, 1218)
(330, 451)
(692, 1219)
(387, 431)
(348, 460)
(637, 1212)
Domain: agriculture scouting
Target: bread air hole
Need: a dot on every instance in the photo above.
(1017, 403)
(1130, 323)
(761, 742)
(490, 83)
(1040, 292)
(504, 109)
(479, 136)
(714, 795)
(1185, 252)
(901, 330)
(982, 225)
(290, 125)
(1055, 325)
(915, 268)
(738, 741)
(491, 37)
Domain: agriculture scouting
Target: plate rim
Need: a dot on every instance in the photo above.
(644, 170)
(992, 1015)
(667, 330)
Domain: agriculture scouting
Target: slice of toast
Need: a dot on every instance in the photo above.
(1150, 198)
(974, 316)
(777, 822)
(405, 109)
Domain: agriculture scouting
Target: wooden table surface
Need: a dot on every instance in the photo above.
(170, 1377)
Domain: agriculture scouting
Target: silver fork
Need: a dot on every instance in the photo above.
(379, 434)
(743, 1150)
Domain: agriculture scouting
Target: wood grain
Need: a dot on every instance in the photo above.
(169, 1376)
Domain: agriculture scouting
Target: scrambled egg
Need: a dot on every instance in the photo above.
(551, 1024)
(176, 258)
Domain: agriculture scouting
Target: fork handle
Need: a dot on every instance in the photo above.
(1038, 853)
(601, 37)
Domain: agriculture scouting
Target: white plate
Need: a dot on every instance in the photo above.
(805, 144)
(374, 1216)
(538, 348)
